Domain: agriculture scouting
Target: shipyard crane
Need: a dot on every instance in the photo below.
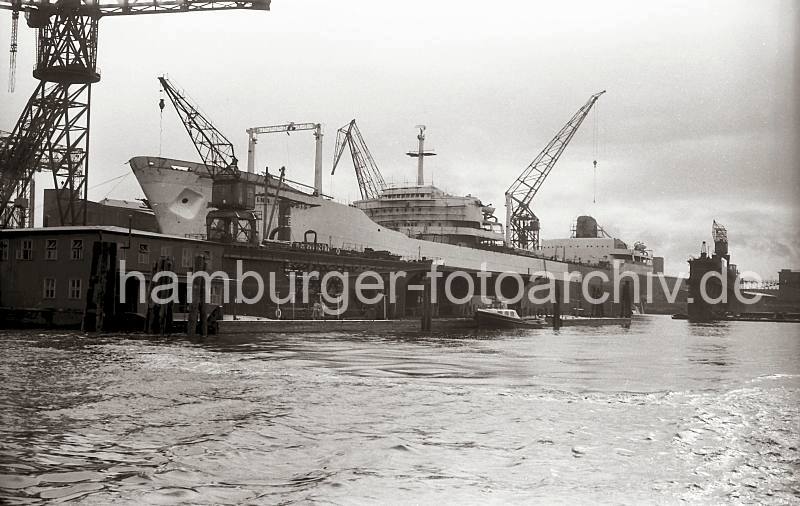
(233, 220)
(522, 225)
(370, 180)
(720, 235)
(288, 128)
(57, 113)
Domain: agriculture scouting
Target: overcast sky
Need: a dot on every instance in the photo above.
(699, 122)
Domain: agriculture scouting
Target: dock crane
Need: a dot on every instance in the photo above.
(233, 196)
(370, 180)
(57, 113)
(522, 225)
(288, 128)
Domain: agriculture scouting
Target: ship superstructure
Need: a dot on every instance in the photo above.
(428, 213)
(425, 212)
(590, 244)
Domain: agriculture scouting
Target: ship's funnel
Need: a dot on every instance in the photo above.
(586, 227)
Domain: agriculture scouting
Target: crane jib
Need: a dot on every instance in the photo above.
(520, 194)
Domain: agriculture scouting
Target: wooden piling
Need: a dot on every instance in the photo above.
(557, 307)
(101, 290)
(202, 261)
(150, 314)
(197, 296)
(626, 303)
(165, 310)
(427, 310)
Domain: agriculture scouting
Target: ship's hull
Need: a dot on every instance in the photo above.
(178, 196)
(180, 200)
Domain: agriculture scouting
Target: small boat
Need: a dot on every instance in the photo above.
(506, 318)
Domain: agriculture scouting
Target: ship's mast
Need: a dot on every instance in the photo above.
(420, 155)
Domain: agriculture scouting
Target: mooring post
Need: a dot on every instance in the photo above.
(626, 308)
(557, 307)
(100, 294)
(203, 301)
(191, 324)
(150, 316)
(107, 282)
(426, 303)
(96, 295)
(165, 310)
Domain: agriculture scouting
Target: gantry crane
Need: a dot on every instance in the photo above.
(57, 113)
(288, 128)
(522, 225)
(370, 180)
(233, 197)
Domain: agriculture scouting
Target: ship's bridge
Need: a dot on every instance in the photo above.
(426, 212)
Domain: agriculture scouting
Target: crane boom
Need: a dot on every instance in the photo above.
(233, 197)
(370, 179)
(522, 225)
(128, 7)
(214, 148)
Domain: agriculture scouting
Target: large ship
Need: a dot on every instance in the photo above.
(412, 221)
(216, 201)
(179, 192)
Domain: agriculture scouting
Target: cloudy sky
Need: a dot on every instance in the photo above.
(699, 122)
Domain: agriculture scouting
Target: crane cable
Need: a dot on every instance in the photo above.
(121, 177)
(160, 123)
(594, 163)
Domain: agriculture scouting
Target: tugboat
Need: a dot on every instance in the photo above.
(498, 318)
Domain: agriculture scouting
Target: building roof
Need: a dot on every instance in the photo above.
(95, 228)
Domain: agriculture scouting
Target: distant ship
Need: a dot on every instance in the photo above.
(590, 244)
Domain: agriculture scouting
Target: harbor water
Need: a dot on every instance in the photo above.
(662, 412)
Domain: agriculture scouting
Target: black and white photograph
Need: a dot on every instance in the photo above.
(362, 252)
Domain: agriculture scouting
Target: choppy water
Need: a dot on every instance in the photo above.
(662, 412)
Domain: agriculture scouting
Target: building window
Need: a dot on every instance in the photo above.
(74, 288)
(77, 249)
(186, 258)
(49, 288)
(144, 253)
(51, 249)
(25, 251)
(166, 251)
(207, 256)
(4, 249)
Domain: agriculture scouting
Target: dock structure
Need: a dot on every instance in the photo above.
(102, 278)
